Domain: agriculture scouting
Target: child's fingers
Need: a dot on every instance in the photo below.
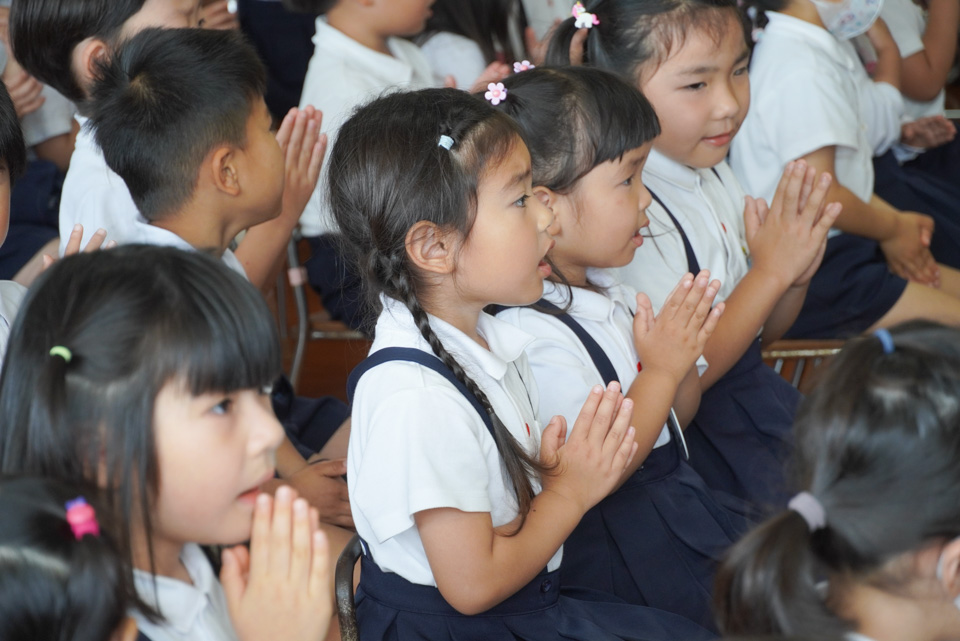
(816, 203)
(829, 216)
(790, 204)
(280, 531)
(260, 536)
(319, 581)
(702, 312)
(607, 411)
(625, 449)
(73, 243)
(551, 439)
(619, 428)
(96, 241)
(809, 180)
(295, 145)
(691, 302)
(286, 128)
(676, 297)
(231, 578)
(751, 221)
(587, 412)
(302, 532)
(777, 203)
(316, 159)
(710, 324)
(577, 45)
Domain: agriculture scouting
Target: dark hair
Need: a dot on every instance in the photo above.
(44, 34)
(632, 33)
(877, 445)
(13, 150)
(387, 173)
(134, 319)
(486, 22)
(164, 100)
(315, 7)
(52, 586)
(575, 118)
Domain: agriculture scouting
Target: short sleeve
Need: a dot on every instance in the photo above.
(906, 24)
(423, 448)
(812, 110)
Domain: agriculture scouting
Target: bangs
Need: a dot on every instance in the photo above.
(618, 120)
(216, 342)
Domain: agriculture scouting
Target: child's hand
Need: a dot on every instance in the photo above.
(787, 239)
(672, 341)
(73, 245)
(495, 72)
(303, 148)
(281, 587)
(927, 133)
(321, 483)
(589, 464)
(25, 90)
(908, 249)
(217, 15)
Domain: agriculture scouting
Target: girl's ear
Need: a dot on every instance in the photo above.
(431, 248)
(86, 55)
(557, 203)
(949, 567)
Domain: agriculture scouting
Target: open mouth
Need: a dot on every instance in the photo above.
(250, 496)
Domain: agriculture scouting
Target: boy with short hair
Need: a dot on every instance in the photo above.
(60, 42)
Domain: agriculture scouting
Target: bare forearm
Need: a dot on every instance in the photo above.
(653, 391)
(784, 314)
(875, 220)
(687, 401)
(289, 460)
(747, 309)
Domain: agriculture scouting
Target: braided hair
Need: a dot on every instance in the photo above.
(387, 173)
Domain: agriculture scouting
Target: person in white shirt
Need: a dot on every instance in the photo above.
(454, 482)
(817, 116)
(870, 547)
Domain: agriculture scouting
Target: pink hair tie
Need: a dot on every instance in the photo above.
(526, 65)
(82, 518)
(496, 93)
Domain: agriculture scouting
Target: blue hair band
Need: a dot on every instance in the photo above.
(883, 335)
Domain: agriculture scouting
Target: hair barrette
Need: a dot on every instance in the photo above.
(585, 19)
(62, 352)
(446, 142)
(496, 93)
(526, 65)
(82, 518)
(886, 340)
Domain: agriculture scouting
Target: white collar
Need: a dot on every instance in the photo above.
(670, 171)
(507, 343)
(179, 603)
(587, 304)
(396, 67)
(811, 33)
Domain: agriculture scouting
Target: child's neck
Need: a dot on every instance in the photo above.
(459, 313)
(200, 228)
(803, 10)
(166, 558)
(575, 275)
(343, 19)
(883, 616)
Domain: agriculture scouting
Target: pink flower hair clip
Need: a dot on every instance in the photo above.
(526, 65)
(82, 518)
(585, 19)
(496, 93)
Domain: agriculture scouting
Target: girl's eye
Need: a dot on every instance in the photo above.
(696, 86)
(223, 407)
(741, 71)
(628, 181)
(522, 201)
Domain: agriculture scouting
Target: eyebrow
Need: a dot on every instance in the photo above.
(517, 179)
(693, 71)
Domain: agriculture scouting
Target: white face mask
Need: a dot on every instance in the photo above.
(848, 18)
(956, 601)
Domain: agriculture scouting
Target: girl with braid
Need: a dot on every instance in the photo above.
(462, 501)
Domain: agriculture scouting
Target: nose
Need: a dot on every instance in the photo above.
(645, 200)
(726, 103)
(265, 430)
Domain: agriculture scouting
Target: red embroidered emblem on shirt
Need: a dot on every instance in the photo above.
(527, 425)
(639, 366)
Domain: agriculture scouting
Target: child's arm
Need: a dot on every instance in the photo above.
(281, 587)
(476, 566)
(263, 249)
(669, 346)
(904, 237)
(888, 55)
(925, 73)
(320, 483)
(785, 241)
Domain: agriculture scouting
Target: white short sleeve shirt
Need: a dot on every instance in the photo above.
(11, 297)
(451, 54)
(561, 364)
(416, 443)
(708, 204)
(804, 96)
(196, 612)
(342, 75)
(907, 23)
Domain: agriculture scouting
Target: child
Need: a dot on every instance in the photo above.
(432, 191)
(146, 371)
(818, 116)
(60, 576)
(870, 548)
(179, 115)
(62, 42)
(13, 161)
(657, 539)
(689, 59)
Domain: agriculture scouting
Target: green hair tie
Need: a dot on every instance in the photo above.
(62, 352)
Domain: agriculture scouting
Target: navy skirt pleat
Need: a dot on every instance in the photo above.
(741, 438)
(657, 540)
(390, 608)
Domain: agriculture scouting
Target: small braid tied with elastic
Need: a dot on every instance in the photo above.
(387, 173)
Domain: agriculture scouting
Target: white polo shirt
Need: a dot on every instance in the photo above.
(451, 54)
(195, 612)
(561, 364)
(416, 442)
(11, 297)
(710, 210)
(804, 96)
(344, 74)
(97, 198)
(908, 23)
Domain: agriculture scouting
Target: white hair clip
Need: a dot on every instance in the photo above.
(585, 20)
(446, 142)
